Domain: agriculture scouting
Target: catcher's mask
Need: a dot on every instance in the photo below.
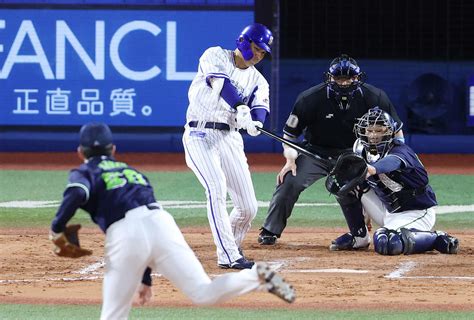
(376, 130)
(256, 33)
(343, 80)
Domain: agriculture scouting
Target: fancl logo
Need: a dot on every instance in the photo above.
(27, 35)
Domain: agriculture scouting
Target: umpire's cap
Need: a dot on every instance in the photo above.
(95, 135)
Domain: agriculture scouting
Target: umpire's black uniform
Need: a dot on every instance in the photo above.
(328, 132)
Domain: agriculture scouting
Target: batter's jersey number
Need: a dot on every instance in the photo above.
(118, 179)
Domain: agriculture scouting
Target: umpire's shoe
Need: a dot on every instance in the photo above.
(266, 237)
(348, 242)
(275, 283)
(238, 264)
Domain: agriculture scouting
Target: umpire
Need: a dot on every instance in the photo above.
(326, 114)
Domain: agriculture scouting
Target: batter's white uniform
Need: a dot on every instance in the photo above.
(151, 238)
(217, 156)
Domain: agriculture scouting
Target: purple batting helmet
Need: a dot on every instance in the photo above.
(256, 33)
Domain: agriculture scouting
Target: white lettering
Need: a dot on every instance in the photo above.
(63, 32)
(115, 55)
(27, 29)
(23, 105)
(2, 26)
(171, 73)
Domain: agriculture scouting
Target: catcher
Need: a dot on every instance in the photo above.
(387, 181)
(140, 235)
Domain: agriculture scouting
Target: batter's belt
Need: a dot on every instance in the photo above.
(210, 125)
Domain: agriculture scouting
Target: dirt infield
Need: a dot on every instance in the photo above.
(262, 162)
(323, 279)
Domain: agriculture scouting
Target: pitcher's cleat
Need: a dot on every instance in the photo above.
(275, 283)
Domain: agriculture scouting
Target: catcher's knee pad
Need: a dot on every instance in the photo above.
(387, 242)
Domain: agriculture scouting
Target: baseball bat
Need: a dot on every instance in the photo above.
(290, 143)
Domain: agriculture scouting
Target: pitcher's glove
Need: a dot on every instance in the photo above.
(66, 243)
(349, 171)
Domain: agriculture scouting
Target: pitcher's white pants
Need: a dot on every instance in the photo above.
(423, 220)
(152, 238)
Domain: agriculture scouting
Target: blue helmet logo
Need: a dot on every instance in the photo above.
(256, 33)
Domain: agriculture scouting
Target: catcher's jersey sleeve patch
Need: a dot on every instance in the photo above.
(292, 121)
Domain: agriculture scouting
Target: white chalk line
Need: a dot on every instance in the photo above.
(403, 268)
(92, 269)
(174, 204)
(277, 265)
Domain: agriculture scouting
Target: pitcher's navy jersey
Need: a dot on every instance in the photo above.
(406, 188)
(111, 189)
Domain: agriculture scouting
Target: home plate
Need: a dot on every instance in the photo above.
(329, 271)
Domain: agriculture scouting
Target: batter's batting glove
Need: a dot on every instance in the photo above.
(252, 128)
(66, 243)
(243, 117)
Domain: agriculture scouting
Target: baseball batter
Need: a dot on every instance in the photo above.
(141, 236)
(398, 197)
(227, 94)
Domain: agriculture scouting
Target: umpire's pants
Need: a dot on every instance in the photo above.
(287, 193)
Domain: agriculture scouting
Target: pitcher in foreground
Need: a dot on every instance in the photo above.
(139, 235)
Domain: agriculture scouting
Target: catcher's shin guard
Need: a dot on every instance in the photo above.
(416, 241)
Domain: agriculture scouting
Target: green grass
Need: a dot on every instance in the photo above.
(182, 186)
(39, 312)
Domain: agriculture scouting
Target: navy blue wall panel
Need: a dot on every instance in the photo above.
(392, 76)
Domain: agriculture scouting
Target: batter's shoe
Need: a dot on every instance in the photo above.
(238, 264)
(266, 238)
(348, 242)
(275, 283)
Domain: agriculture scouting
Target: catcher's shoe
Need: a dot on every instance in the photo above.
(445, 243)
(275, 283)
(238, 264)
(348, 242)
(266, 238)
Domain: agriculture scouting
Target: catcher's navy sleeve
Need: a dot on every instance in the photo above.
(388, 164)
(73, 198)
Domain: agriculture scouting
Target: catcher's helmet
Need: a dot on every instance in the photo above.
(345, 68)
(376, 130)
(256, 33)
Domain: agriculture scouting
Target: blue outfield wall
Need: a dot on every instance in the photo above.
(444, 129)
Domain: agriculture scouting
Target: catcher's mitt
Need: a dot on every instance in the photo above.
(348, 172)
(66, 243)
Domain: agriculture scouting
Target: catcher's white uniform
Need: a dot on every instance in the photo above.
(214, 148)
